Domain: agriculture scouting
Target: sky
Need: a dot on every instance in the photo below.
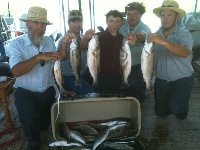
(19, 7)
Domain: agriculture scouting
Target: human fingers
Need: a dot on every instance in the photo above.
(51, 56)
(131, 38)
(89, 33)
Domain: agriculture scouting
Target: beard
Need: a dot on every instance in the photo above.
(35, 40)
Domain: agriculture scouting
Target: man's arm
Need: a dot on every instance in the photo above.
(26, 66)
(84, 42)
(176, 49)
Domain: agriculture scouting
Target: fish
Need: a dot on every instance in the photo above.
(101, 137)
(125, 63)
(116, 146)
(75, 59)
(104, 134)
(75, 135)
(97, 127)
(58, 76)
(86, 130)
(64, 143)
(93, 59)
(113, 122)
(147, 64)
(64, 131)
(121, 134)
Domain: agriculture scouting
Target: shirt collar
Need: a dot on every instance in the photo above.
(174, 30)
(127, 28)
(28, 42)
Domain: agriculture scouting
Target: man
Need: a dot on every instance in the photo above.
(110, 43)
(75, 22)
(135, 31)
(172, 62)
(32, 58)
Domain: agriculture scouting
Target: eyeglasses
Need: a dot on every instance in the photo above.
(42, 62)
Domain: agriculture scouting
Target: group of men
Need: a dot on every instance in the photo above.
(32, 57)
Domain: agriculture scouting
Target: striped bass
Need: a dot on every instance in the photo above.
(125, 63)
(93, 59)
(75, 59)
(147, 64)
(58, 76)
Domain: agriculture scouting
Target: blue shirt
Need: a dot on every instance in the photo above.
(39, 78)
(136, 50)
(169, 66)
(66, 64)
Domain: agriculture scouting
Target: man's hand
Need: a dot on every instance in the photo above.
(153, 37)
(132, 39)
(68, 38)
(89, 33)
(49, 56)
(68, 93)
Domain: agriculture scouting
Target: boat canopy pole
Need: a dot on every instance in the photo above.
(90, 14)
(63, 13)
(93, 16)
(195, 9)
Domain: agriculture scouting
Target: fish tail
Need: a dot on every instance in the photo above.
(78, 82)
(124, 85)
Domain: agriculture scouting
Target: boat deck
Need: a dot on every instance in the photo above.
(156, 134)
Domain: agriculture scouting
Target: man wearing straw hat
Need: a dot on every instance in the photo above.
(172, 62)
(32, 58)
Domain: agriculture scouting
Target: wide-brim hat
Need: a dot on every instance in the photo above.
(38, 14)
(170, 5)
(75, 15)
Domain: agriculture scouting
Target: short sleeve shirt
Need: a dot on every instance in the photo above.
(40, 78)
(136, 50)
(169, 66)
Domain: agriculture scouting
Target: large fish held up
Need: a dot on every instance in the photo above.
(58, 76)
(93, 59)
(75, 59)
(147, 64)
(125, 63)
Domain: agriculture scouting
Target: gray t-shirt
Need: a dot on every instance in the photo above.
(169, 66)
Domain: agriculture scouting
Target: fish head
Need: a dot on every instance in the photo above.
(148, 47)
(125, 46)
(57, 65)
(74, 44)
(94, 42)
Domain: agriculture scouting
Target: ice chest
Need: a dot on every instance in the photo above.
(96, 109)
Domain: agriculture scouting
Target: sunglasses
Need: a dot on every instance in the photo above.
(42, 62)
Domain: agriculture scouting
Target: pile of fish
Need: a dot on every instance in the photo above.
(93, 60)
(147, 64)
(101, 135)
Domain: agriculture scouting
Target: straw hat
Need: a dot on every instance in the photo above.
(37, 14)
(75, 15)
(169, 5)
